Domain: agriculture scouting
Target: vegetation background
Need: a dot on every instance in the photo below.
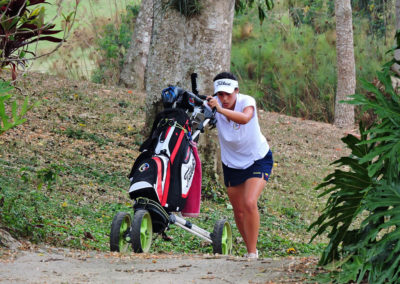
(287, 62)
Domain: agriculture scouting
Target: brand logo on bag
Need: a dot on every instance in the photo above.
(144, 167)
(190, 172)
(191, 101)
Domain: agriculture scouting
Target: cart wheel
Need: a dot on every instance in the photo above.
(120, 238)
(222, 237)
(142, 231)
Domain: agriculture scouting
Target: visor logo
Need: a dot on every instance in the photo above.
(220, 83)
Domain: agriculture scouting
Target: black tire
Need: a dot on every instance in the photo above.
(142, 231)
(120, 238)
(222, 237)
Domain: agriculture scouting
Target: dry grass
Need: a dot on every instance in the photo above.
(110, 118)
(93, 132)
(303, 151)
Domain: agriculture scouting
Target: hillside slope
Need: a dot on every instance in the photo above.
(85, 137)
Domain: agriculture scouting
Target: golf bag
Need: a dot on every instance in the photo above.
(164, 170)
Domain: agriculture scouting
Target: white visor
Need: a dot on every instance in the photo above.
(225, 85)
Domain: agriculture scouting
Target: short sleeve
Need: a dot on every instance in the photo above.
(248, 101)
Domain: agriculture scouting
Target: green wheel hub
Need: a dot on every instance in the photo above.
(146, 232)
(222, 237)
(226, 240)
(124, 238)
(120, 239)
(142, 231)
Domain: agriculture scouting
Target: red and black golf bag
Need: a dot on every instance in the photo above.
(164, 170)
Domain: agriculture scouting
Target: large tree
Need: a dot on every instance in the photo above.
(132, 74)
(346, 72)
(181, 45)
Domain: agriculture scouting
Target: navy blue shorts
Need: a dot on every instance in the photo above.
(261, 168)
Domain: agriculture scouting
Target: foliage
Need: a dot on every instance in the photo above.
(291, 69)
(112, 44)
(366, 195)
(347, 190)
(377, 12)
(47, 176)
(21, 25)
(81, 134)
(310, 12)
(17, 117)
(52, 217)
(262, 6)
(313, 13)
(188, 8)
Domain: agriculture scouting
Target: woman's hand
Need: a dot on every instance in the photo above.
(213, 103)
(237, 116)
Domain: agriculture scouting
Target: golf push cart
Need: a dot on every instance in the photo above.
(163, 174)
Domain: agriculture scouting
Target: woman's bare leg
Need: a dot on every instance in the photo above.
(244, 199)
(252, 190)
(235, 194)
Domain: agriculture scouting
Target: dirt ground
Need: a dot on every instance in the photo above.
(60, 265)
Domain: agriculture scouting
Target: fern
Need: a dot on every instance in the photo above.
(369, 191)
(347, 190)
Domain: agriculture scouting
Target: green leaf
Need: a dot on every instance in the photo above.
(375, 152)
(371, 186)
(5, 87)
(261, 14)
(270, 4)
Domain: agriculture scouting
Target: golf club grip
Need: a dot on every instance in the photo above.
(193, 78)
(202, 97)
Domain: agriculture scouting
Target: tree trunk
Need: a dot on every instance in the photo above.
(181, 46)
(134, 68)
(346, 73)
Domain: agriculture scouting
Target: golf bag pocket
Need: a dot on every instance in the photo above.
(181, 177)
(187, 171)
(158, 179)
(149, 178)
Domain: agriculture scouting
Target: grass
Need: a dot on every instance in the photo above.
(77, 57)
(292, 69)
(64, 172)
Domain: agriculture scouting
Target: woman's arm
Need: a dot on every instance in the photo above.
(236, 116)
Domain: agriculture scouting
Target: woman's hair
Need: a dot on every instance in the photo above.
(225, 75)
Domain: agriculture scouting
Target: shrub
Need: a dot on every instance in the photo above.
(17, 117)
(112, 47)
(362, 214)
(22, 26)
(292, 69)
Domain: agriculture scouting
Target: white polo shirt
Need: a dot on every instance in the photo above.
(241, 144)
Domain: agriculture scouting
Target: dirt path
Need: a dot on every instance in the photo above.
(59, 265)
